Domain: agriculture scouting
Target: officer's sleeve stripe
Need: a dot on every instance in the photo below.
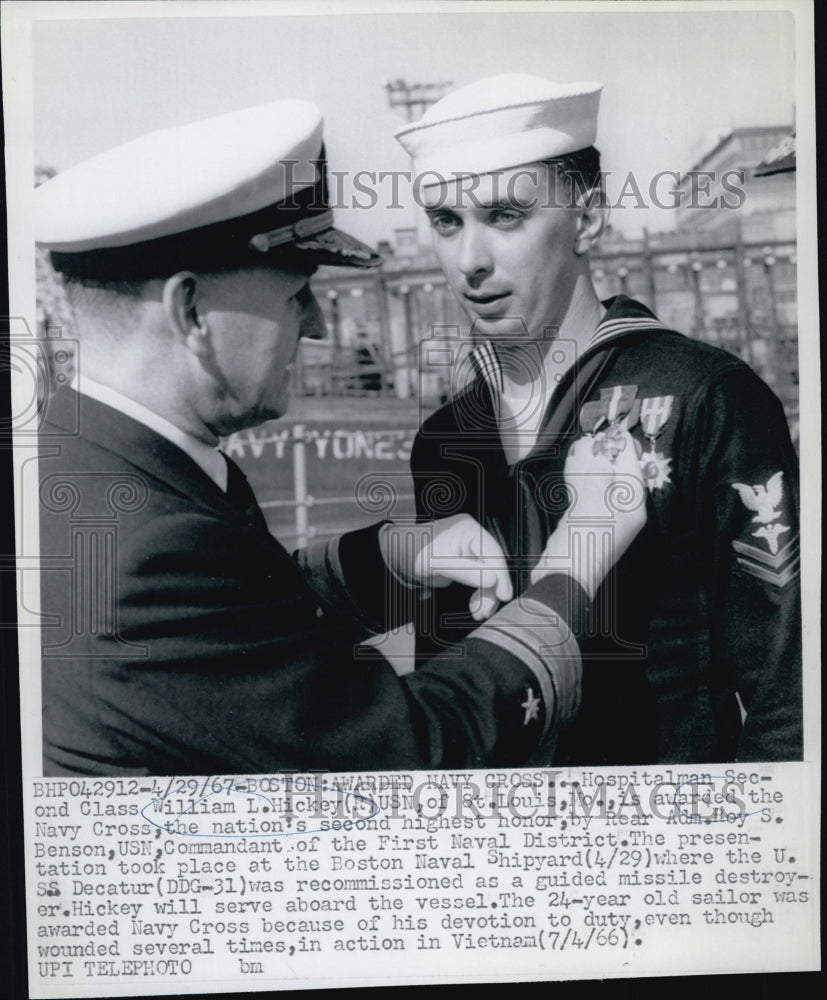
(322, 567)
(527, 630)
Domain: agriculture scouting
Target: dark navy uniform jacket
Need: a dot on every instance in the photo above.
(700, 621)
(179, 637)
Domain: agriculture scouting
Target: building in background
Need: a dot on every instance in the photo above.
(725, 275)
(767, 211)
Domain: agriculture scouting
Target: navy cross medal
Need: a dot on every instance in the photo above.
(619, 409)
(606, 419)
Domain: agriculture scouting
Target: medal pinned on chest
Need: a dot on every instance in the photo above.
(655, 466)
(619, 409)
(604, 420)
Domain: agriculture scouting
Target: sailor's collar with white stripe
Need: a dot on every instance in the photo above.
(623, 315)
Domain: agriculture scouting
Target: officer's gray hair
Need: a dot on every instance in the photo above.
(74, 285)
(103, 309)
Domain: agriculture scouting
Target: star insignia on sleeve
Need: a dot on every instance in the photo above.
(531, 706)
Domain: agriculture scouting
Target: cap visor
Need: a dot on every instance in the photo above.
(338, 249)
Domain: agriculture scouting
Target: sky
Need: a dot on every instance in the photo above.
(673, 81)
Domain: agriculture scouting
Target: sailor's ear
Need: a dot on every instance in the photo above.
(592, 218)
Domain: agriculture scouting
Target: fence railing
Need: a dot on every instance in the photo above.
(304, 503)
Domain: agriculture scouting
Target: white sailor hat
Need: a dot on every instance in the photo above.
(245, 188)
(501, 122)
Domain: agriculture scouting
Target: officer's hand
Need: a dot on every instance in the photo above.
(452, 550)
(606, 512)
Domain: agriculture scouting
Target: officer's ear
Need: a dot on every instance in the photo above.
(181, 299)
(592, 218)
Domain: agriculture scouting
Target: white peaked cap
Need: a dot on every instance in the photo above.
(501, 122)
(236, 185)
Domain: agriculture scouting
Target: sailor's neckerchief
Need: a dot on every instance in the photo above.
(623, 315)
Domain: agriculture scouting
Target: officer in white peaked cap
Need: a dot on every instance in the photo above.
(704, 615)
(189, 641)
(243, 189)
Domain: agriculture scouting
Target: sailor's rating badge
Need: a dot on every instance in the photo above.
(763, 499)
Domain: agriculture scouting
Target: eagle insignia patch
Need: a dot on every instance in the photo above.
(763, 499)
(779, 565)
